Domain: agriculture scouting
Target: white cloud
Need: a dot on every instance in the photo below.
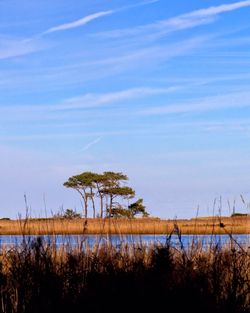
(89, 100)
(150, 56)
(83, 21)
(90, 144)
(213, 103)
(87, 19)
(10, 48)
(183, 21)
(220, 9)
(94, 100)
(136, 5)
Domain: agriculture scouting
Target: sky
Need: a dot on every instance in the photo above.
(156, 89)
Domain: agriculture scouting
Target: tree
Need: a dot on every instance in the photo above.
(109, 186)
(83, 184)
(112, 189)
(137, 208)
(131, 211)
(119, 211)
(99, 181)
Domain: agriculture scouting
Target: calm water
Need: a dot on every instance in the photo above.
(90, 240)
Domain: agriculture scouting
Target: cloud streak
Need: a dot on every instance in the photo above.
(11, 47)
(215, 10)
(214, 103)
(89, 18)
(95, 100)
(180, 22)
(90, 144)
(78, 23)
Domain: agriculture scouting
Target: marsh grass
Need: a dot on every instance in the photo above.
(236, 225)
(38, 276)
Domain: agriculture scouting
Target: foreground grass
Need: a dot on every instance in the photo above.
(209, 225)
(38, 277)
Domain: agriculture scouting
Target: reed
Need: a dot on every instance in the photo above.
(236, 225)
(37, 276)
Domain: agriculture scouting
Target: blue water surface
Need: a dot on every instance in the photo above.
(117, 240)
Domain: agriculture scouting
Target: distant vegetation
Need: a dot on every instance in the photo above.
(108, 190)
(239, 215)
(68, 214)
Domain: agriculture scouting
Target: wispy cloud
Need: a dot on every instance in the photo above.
(89, 18)
(83, 21)
(220, 9)
(213, 103)
(12, 47)
(53, 77)
(94, 100)
(136, 5)
(86, 101)
(183, 21)
(149, 56)
(90, 144)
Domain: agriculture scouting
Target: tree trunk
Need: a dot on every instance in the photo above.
(85, 201)
(110, 205)
(93, 202)
(101, 199)
(101, 204)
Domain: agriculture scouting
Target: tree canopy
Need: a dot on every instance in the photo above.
(109, 190)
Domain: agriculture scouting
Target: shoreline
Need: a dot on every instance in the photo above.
(138, 226)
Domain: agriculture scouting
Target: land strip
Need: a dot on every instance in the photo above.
(202, 225)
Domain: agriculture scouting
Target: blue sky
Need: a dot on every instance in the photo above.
(156, 89)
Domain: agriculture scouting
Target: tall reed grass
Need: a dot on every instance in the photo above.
(37, 276)
(237, 225)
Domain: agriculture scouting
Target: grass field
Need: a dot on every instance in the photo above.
(206, 225)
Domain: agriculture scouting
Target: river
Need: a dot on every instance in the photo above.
(91, 240)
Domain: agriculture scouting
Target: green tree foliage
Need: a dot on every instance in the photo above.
(118, 211)
(134, 209)
(110, 189)
(137, 208)
(84, 185)
(68, 214)
(71, 214)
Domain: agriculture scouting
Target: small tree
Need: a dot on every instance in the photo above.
(71, 214)
(68, 214)
(137, 208)
(119, 211)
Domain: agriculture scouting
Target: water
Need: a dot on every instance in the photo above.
(91, 240)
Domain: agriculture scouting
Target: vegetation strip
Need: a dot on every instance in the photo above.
(222, 225)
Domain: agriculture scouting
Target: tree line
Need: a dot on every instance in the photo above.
(105, 192)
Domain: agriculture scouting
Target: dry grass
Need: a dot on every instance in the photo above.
(211, 225)
(36, 277)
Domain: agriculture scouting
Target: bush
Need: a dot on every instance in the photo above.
(239, 215)
(68, 214)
